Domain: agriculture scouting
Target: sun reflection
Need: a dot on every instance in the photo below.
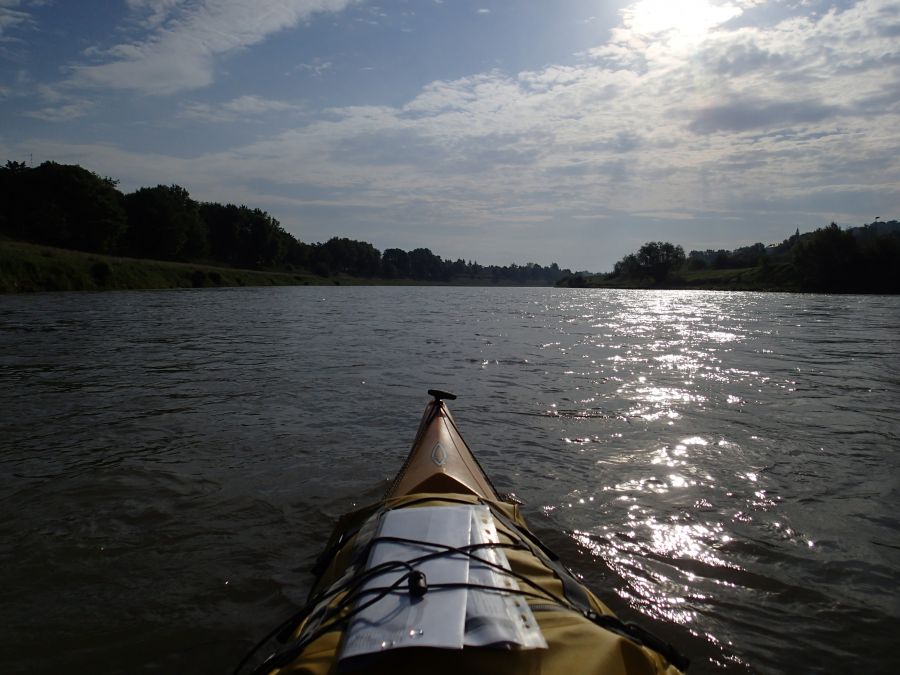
(721, 336)
(668, 506)
(668, 395)
(677, 481)
(653, 415)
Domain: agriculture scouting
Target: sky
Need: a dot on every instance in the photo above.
(568, 131)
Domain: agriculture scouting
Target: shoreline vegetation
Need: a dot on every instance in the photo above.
(26, 267)
(148, 233)
(736, 279)
(29, 268)
(65, 228)
(830, 260)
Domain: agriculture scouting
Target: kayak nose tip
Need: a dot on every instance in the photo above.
(440, 395)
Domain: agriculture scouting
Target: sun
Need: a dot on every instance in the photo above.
(684, 20)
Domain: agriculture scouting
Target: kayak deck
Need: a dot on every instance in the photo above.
(442, 528)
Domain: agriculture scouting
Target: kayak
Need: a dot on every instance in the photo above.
(443, 576)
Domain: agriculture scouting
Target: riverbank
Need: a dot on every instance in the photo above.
(779, 277)
(28, 268)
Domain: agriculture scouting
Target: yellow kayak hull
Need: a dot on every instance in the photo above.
(582, 635)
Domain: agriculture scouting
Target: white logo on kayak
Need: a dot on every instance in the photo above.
(438, 454)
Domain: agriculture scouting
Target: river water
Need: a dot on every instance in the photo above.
(722, 467)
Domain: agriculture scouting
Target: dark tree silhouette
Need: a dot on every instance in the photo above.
(395, 264)
(658, 259)
(655, 259)
(71, 207)
(348, 256)
(61, 205)
(164, 223)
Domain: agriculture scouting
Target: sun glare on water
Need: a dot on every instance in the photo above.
(686, 21)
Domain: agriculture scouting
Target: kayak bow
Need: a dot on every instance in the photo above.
(443, 576)
(440, 460)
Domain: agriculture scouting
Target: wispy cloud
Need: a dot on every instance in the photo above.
(59, 105)
(241, 108)
(317, 67)
(185, 39)
(153, 13)
(62, 112)
(743, 121)
(16, 14)
(744, 115)
(10, 18)
(758, 110)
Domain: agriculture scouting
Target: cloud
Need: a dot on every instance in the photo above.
(639, 126)
(742, 130)
(761, 110)
(241, 108)
(179, 53)
(63, 112)
(153, 13)
(16, 14)
(736, 58)
(745, 115)
(10, 18)
(61, 105)
(317, 67)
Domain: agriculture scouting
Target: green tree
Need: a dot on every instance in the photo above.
(881, 262)
(224, 227)
(249, 238)
(165, 224)
(424, 265)
(61, 205)
(658, 259)
(395, 263)
(348, 256)
(828, 261)
(266, 241)
(628, 267)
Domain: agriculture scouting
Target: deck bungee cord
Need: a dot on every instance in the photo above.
(417, 586)
(445, 555)
(352, 589)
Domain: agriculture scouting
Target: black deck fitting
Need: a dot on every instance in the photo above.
(441, 395)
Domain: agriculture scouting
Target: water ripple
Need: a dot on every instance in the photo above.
(720, 466)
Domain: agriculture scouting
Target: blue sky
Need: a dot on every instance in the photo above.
(543, 130)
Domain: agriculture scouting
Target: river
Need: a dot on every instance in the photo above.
(722, 467)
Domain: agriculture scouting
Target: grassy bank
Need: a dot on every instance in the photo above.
(778, 277)
(28, 267)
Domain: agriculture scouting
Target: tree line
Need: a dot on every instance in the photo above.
(829, 260)
(71, 207)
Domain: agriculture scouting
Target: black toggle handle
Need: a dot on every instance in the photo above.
(418, 585)
(441, 395)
